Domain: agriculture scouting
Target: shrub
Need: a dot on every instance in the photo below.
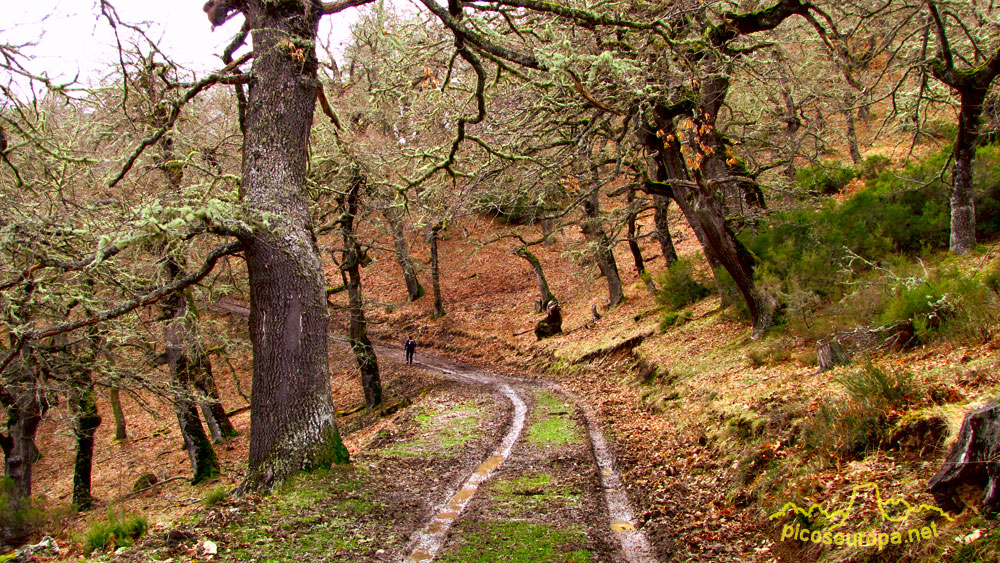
(874, 165)
(678, 286)
(18, 521)
(215, 496)
(873, 387)
(805, 255)
(824, 178)
(673, 318)
(119, 530)
(862, 422)
(922, 304)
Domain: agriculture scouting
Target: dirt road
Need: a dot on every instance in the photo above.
(477, 468)
(553, 449)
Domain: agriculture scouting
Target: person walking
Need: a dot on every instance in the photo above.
(410, 346)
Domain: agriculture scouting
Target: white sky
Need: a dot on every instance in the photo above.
(72, 37)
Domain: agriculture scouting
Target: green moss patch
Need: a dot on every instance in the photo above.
(554, 425)
(518, 542)
(441, 430)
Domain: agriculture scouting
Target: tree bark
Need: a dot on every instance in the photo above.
(972, 460)
(545, 294)
(25, 407)
(852, 133)
(633, 244)
(662, 222)
(211, 404)
(87, 421)
(414, 290)
(116, 411)
(595, 234)
(293, 422)
(705, 211)
(963, 207)
(436, 271)
(204, 463)
(350, 269)
(972, 86)
(203, 381)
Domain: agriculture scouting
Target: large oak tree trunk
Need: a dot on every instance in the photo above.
(87, 421)
(705, 211)
(25, 407)
(293, 424)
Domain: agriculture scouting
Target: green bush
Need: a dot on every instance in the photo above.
(806, 256)
(677, 286)
(874, 165)
(949, 305)
(215, 496)
(18, 521)
(862, 422)
(875, 388)
(674, 318)
(824, 178)
(923, 304)
(119, 530)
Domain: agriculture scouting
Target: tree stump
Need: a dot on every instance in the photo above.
(974, 459)
(551, 324)
(831, 354)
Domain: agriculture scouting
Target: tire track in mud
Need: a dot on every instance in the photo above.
(429, 541)
(634, 544)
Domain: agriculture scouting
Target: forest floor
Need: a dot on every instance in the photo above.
(700, 419)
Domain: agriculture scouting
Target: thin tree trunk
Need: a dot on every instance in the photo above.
(963, 207)
(204, 381)
(204, 463)
(662, 222)
(293, 423)
(87, 421)
(545, 294)
(350, 269)
(414, 290)
(436, 271)
(852, 134)
(116, 411)
(633, 245)
(595, 234)
(213, 426)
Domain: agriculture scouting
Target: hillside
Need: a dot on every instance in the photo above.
(713, 432)
(709, 424)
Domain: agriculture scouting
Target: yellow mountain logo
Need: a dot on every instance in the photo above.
(894, 510)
